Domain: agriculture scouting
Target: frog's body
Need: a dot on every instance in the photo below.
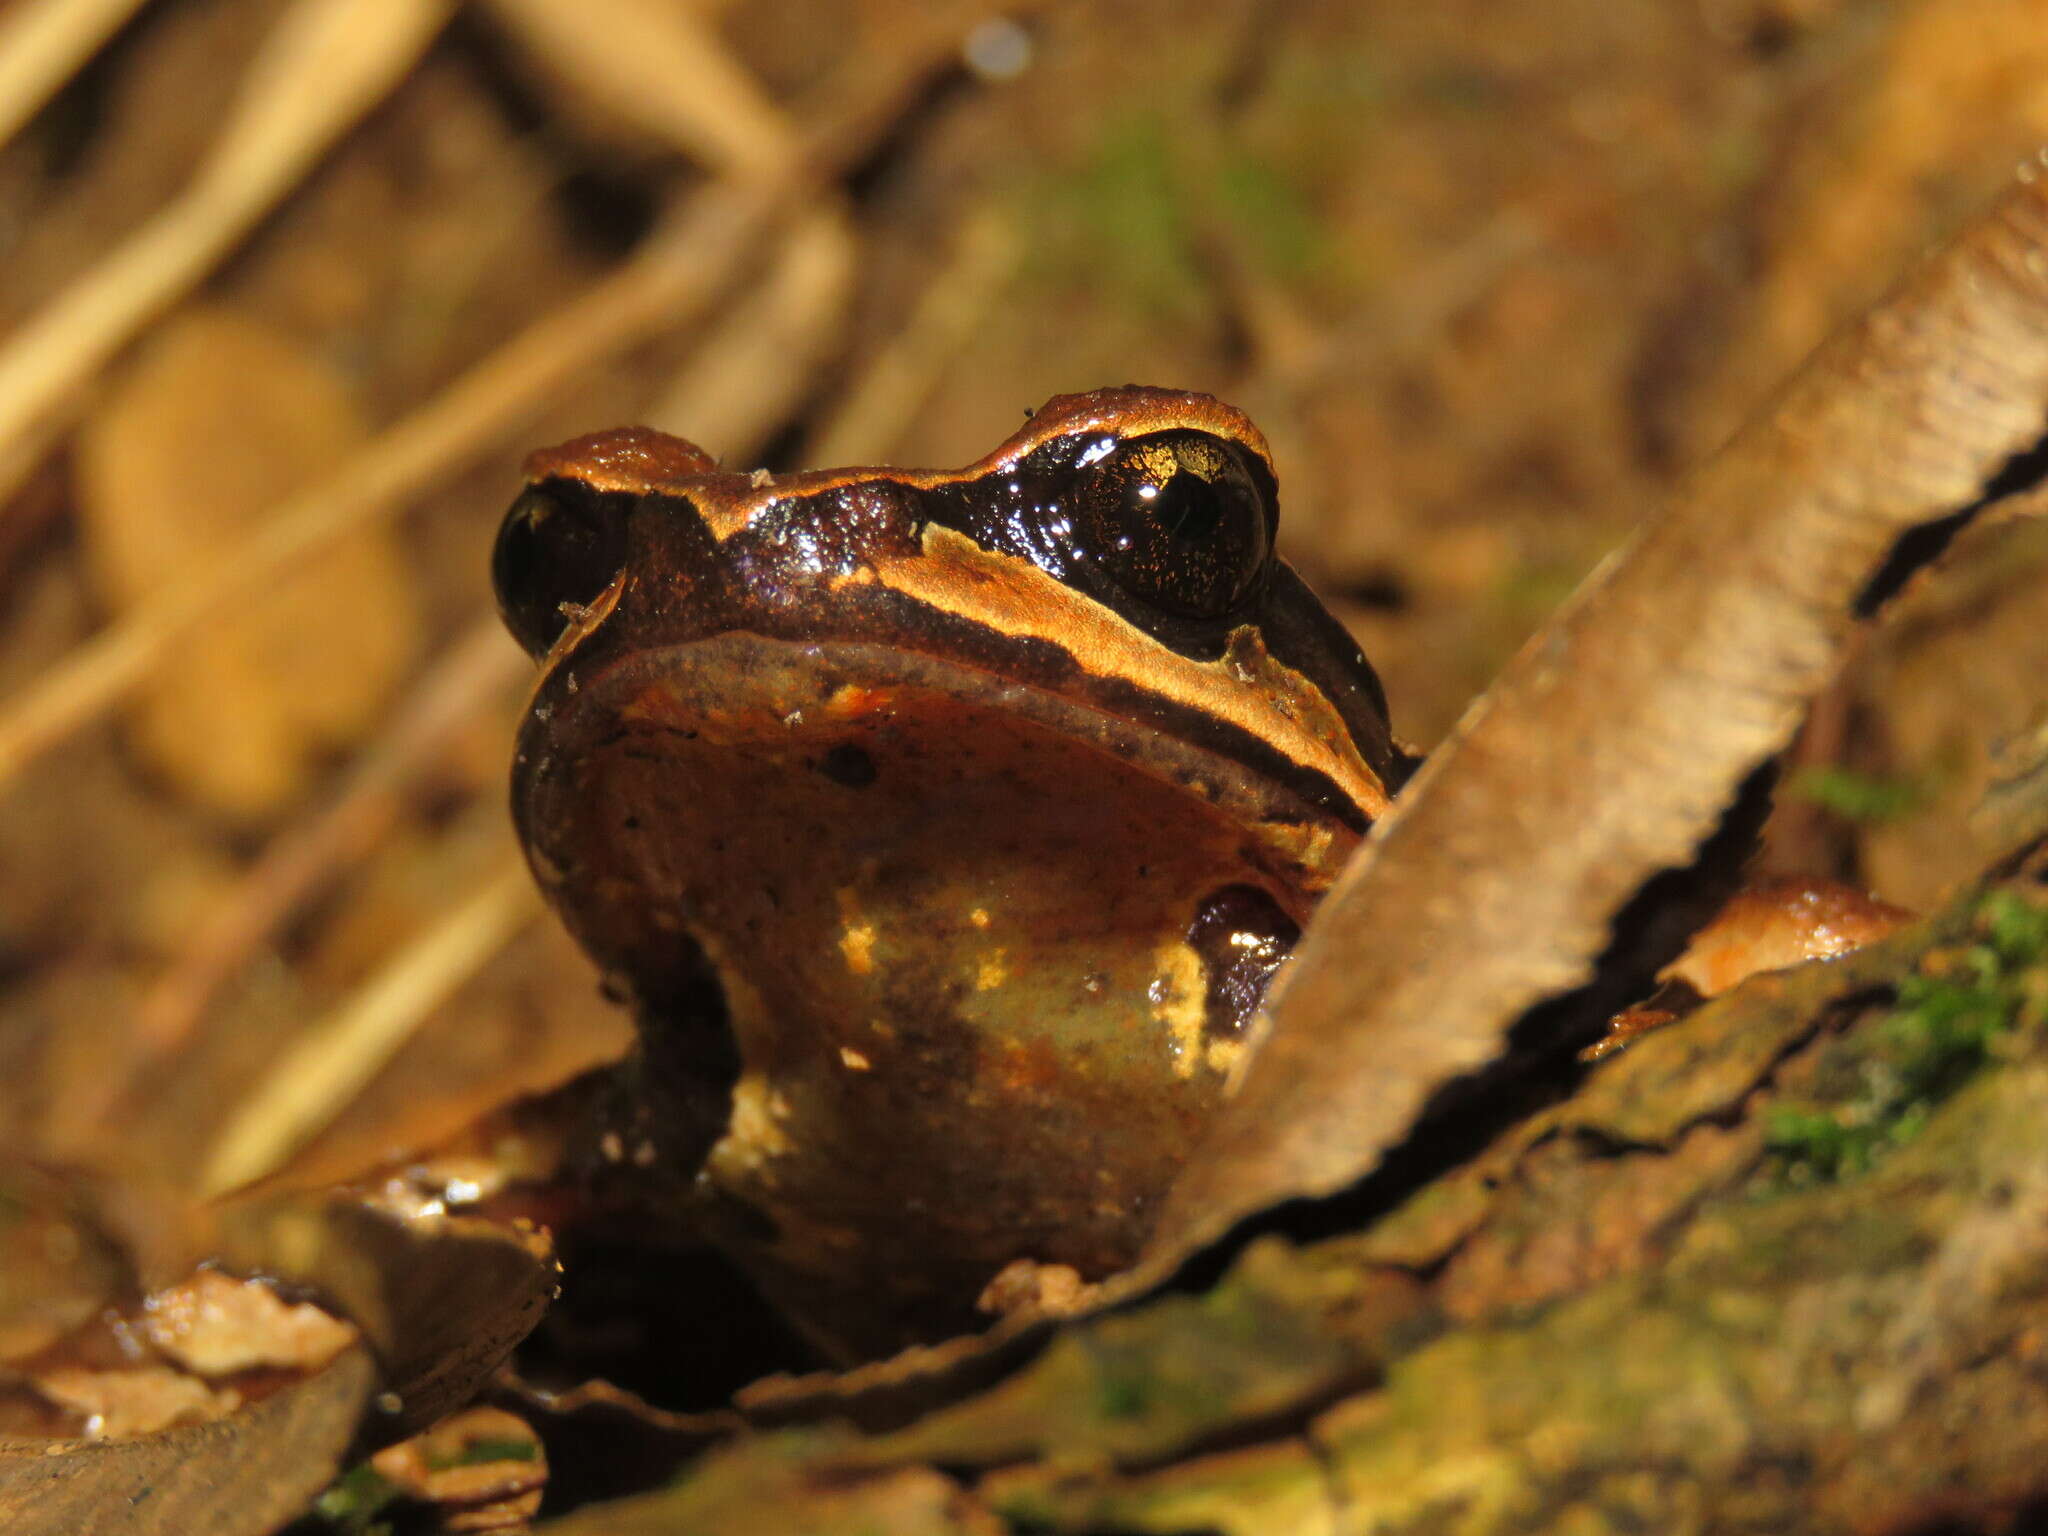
(943, 828)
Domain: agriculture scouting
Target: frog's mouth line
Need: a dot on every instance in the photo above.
(1294, 812)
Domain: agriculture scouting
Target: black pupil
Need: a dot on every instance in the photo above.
(1187, 506)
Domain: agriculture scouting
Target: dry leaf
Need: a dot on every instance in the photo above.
(120, 1405)
(1618, 736)
(216, 1326)
(442, 1299)
(483, 1467)
(217, 424)
(243, 1475)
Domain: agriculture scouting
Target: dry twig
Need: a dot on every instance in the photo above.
(332, 1059)
(882, 400)
(356, 51)
(475, 669)
(42, 45)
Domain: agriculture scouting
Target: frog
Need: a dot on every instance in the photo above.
(942, 830)
(945, 830)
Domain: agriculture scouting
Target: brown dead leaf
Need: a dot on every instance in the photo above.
(1617, 737)
(440, 1302)
(216, 1326)
(246, 1473)
(443, 1299)
(123, 1404)
(220, 420)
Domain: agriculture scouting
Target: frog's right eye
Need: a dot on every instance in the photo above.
(562, 543)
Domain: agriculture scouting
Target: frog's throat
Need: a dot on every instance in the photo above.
(951, 919)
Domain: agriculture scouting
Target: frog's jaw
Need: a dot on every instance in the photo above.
(954, 942)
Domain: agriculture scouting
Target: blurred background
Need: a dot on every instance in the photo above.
(291, 286)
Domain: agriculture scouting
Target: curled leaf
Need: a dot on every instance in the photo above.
(246, 1473)
(1617, 737)
(442, 1299)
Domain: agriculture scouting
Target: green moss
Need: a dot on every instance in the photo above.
(351, 1506)
(1121, 220)
(1859, 797)
(481, 1453)
(1121, 1395)
(1271, 212)
(1131, 217)
(1878, 1089)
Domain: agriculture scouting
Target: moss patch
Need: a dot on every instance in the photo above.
(1877, 1088)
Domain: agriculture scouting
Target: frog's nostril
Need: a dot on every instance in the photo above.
(848, 765)
(561, 543)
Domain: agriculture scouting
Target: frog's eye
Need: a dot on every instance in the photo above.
(1177, 520)
(561, 543)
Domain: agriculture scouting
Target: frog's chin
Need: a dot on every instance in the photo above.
(961, 928)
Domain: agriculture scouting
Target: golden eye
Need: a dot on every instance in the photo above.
(1177, 521)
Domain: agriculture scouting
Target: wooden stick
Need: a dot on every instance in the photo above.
(327, 63)
(479, 666)
(334, 1058)
(42, 45)
(872, 415)
(632, 55)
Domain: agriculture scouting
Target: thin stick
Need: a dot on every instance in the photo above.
(327, 63)
(631, 55)
(676, 275)
(744, 379)
(479, 666)
(42, 44)
(333, 1059)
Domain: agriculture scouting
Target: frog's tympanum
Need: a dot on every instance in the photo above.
(943, 829)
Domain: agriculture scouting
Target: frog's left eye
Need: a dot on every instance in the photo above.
(1178, 520)
(561, 543)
